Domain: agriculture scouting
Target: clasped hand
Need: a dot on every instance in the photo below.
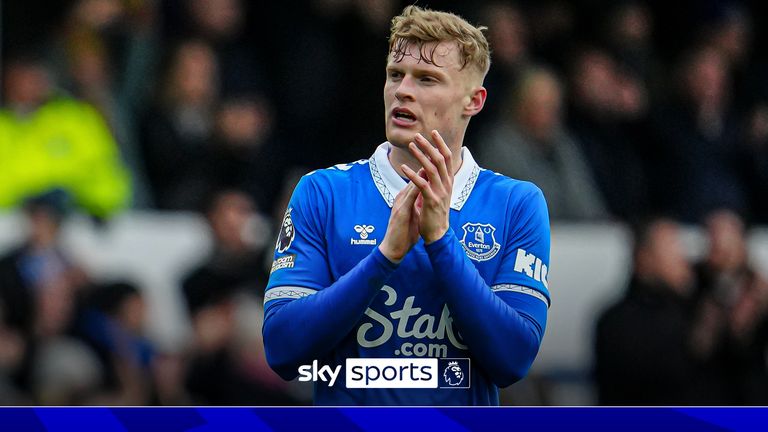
(423, 207)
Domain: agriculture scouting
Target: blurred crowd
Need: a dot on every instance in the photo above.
(67, 339)
(686, 333)
(618, 110)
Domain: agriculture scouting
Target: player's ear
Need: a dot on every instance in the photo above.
(475, 101)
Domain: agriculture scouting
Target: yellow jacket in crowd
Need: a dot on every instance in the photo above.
(64, 144)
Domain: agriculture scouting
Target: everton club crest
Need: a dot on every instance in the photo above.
(479, 242)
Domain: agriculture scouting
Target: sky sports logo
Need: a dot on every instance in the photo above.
(447, 373)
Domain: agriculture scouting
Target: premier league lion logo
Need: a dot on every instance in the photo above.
(479, 241)
(453, 375)
(287, 233)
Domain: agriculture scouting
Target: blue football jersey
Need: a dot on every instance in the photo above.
(335, 218)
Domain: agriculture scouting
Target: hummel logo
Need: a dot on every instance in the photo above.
(363, 230)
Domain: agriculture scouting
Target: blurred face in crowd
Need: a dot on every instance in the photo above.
(214, 326)
(43, 227)
(632, 25)
(594, 83)
(194, 73)
(631, 99)
(420, 97)
(663, 258)
(27, 85)
(218, 18)
(508, 33)
(244, 122)
(732, 36)
(602, 87)
(229, 219)
(132, 313)
(98, 13)
(90, 68)
(705, 76)
(538, 109)
(727, 245)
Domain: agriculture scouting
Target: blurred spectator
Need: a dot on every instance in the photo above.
(608, 100)
(177, 129)
(107, 47)
(195, 142)
(228, 367)
(222, 24)
(40, 267)
(244, 152)
(112, 323)
(553, 25)
(697, 162)
(731, 333)
(49, 141)
(104, 53)
(508, 37)
(754, 160)
(606, 105)
(641, 342)
(508, 34)
(529, 143)
(238, 260)
(629, 36)
(727, 28)
(38, 288)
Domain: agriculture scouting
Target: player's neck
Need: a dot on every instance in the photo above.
(399, 156)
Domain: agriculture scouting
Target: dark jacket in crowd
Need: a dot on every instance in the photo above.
(641, 348)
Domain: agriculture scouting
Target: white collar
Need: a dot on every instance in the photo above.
(389, 183)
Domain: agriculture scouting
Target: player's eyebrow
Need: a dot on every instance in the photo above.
(418, 71)
(437, 73)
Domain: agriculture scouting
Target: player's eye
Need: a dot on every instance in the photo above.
(395, 74)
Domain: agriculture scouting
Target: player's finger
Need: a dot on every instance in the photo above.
(419, 204)
(411, 195)
(400, 195)
(443, 148)
(435, 156)
(432, 173)
(417, 208)
(420, 182)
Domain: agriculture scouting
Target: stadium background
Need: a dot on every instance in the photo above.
(166, 135)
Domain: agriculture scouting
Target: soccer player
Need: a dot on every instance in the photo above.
(416, 252)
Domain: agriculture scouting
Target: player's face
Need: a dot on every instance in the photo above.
(420, 97)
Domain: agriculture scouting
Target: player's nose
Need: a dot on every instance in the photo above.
(405, 89)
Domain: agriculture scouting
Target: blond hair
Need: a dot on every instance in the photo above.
(422, 26)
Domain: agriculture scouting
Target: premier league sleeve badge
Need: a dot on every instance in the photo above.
(287, 233)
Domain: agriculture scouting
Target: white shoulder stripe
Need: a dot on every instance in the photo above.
(521, 289)
(287, 292)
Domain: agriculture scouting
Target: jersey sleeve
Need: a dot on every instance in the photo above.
(525, 263)
(301, 256)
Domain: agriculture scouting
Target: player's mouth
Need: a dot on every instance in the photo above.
(403, 117)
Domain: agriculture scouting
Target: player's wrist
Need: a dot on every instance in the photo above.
(434, 236)
(393, 256)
